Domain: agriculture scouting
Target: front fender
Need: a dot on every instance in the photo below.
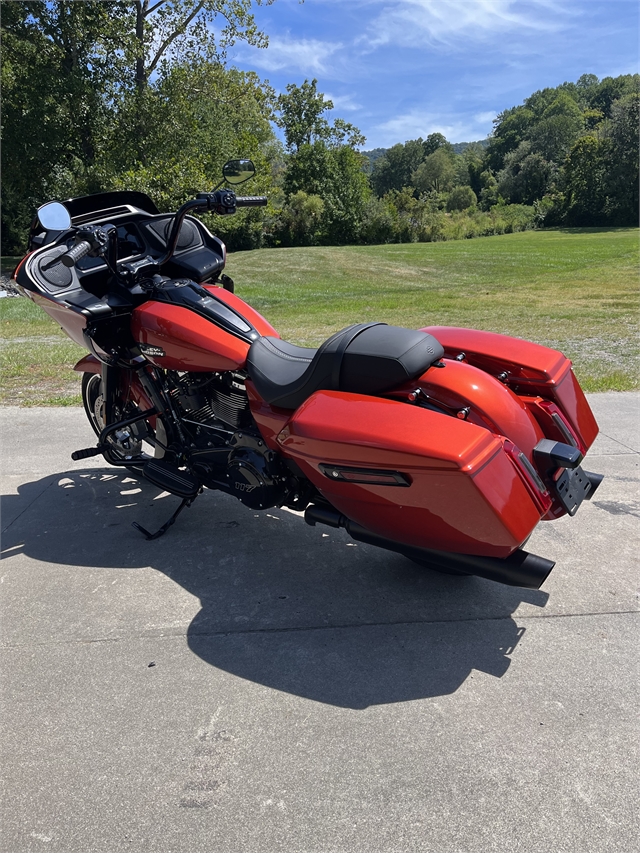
(88, 364)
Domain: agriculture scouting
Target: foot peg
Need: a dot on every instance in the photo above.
(171, 478)
(86, 453)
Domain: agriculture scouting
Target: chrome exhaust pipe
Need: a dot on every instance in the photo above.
(518, 569)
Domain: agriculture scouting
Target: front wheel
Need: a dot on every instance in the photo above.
(126, 442)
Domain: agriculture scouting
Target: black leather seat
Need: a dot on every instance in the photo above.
(368, 358)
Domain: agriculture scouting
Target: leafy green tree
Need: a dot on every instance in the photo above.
(584, 177)
(301, 116)
(472, 160)
(58, 81)
(301, 220)
(78, 88)
(394, 170)
(511, 127)
(336, 175)
(437, 173)
(204, 114)
(526, 175)
(378, 224)
(435, 141)
(622, 157)
(560, 125)
(611, 89)
(461, 198)
(489, 190)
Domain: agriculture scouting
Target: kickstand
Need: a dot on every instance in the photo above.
(167, 524)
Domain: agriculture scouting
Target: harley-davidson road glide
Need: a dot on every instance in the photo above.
(447, 445)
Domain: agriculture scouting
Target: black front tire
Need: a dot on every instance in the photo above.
(92, 400)
(93, 403)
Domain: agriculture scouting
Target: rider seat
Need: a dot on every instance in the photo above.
(367, 358)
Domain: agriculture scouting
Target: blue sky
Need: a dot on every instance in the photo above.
(399, 69)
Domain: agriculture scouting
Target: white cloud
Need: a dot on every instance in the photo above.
(485, 118)
(414, 23)
(343, 102)
(308, 56)
(418, 122)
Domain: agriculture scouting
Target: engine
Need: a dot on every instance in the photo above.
(214, 400)
(227, 452)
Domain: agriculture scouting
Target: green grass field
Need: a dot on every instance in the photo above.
(575, 290)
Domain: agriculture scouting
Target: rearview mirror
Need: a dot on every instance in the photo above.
(238, 171)
(54, 216)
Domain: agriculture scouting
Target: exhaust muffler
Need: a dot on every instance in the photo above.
(518, 569)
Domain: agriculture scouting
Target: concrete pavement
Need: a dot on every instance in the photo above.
(249, 683)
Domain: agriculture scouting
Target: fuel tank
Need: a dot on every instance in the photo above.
(215, 337)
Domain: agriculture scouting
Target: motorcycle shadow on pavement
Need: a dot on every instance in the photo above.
(298, 609)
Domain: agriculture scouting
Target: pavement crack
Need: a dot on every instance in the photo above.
(621, 443)
(30, 504)
(160, 634)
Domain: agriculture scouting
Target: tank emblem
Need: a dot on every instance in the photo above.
(149, 349)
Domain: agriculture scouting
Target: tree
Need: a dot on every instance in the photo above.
(622, 156)
(394, 170)
(302, 119)
(525, 177)
(560, 125)
(511, 127)
(80, 82)
(203, 114)
(58, 83)
(437, 173)
(335, 175)
(584, 175)
(301, 219)
(435, 141)
(461, 198)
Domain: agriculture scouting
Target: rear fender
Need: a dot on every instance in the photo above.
(529, 370)
(480, 399)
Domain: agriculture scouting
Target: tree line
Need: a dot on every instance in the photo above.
(137, 95)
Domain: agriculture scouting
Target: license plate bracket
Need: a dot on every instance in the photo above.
(572, 487)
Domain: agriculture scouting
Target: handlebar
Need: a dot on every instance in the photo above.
(76, 253)
(251, 201)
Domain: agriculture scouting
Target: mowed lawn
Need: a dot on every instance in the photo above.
(575, 290)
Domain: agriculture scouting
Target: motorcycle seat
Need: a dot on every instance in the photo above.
(367, 358)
